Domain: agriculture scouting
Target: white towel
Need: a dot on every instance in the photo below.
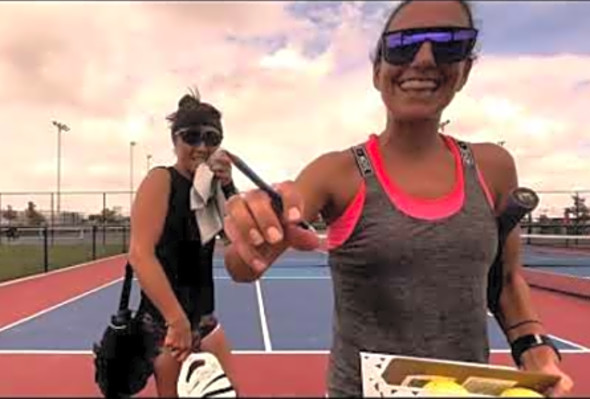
(208, 203)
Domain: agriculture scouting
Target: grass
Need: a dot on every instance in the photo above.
(27, 259)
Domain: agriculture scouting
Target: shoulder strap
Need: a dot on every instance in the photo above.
(126, 291)
(466, 153)
(362, 160)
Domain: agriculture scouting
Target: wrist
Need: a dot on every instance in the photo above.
(529, 347)
(538, 357)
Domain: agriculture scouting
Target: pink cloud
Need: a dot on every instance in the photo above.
(106, 67)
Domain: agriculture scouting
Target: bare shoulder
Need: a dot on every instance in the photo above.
(493, 155)
(330, 182)
(497, 166)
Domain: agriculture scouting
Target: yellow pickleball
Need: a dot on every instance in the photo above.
(441, 387)
(520, 393)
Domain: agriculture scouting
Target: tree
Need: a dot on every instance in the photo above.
(9, 214)
(33, 216)
(578, 214)
(106, 216)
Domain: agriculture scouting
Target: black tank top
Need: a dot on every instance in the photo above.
(188, 264)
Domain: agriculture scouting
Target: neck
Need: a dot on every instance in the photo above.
(411, 139)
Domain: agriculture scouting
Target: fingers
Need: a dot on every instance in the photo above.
(562, 388)
(245, 247)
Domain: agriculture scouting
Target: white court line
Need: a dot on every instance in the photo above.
(56, 271)
(568, 342)
(235, 352)
(263, 322)
(51, 308)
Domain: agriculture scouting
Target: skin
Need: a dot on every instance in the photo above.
(416, 156)
(147, 221)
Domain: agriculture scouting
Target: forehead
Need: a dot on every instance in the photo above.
(426, 13)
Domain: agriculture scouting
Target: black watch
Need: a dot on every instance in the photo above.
(526, 342)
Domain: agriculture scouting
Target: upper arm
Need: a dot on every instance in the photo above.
(149, 213)
(499, 169)
(316, 180)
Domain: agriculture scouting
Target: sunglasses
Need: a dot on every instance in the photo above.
(195, 136)
(449, 44)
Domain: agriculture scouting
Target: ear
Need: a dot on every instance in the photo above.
(465, 75)
(376, 75)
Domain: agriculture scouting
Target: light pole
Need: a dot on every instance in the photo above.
(61, 127)
(131, 145)
(148, 159)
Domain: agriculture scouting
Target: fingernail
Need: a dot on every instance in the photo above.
(294, 214)
(274, 235)
(256, 238)
(258, 264)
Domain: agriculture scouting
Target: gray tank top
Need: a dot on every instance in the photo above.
(411, 286)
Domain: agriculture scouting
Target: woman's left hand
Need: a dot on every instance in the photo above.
(543, 359)
(220, 165)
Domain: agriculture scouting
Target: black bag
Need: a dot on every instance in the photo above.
(123, 358)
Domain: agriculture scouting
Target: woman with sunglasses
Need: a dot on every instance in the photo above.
(175, 271)
(411, 216)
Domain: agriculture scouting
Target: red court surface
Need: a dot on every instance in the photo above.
(70, 373)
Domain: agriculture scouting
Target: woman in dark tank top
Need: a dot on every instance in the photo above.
(410, 214)
(175, 271)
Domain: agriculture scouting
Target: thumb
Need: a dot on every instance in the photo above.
(302, 239)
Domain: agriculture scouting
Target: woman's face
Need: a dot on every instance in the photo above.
(192, 151)
(421, 88)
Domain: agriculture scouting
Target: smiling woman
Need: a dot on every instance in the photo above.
(174, 267)
(411, 216)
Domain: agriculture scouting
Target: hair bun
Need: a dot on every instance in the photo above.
(191, 100)
(188, 101)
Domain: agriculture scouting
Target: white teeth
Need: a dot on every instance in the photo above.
(415, 84)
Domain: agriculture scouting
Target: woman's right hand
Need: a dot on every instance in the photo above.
(179, 339)
(258, 235)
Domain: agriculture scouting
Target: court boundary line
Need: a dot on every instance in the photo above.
(58, 305)
(234, 352)
(56, 271)
(263, 321)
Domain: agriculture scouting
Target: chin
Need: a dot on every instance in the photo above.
(415, 113)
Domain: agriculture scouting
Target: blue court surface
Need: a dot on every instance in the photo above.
(289, 310)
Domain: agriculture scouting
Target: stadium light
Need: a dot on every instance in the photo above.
(148, 159)
(61, 127)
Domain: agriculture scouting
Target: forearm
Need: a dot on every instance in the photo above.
(518, 315)
(156, 286)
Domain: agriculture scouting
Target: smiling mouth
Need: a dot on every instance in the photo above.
(422, 86)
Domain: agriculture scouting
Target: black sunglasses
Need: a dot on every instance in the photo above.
(196, 136)
(449, 44)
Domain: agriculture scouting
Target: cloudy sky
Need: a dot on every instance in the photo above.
(293, 80)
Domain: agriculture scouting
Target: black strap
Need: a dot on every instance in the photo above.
(466, 153)
(126, 291)
(362, 160)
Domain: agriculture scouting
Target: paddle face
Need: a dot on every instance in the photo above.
(201, 375)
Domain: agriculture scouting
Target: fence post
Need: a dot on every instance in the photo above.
(124, 249)
(94, 229)
(104, 220)
(45, 250)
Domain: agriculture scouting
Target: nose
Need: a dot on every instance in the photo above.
(425, 56)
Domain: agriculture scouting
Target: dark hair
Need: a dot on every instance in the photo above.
(466, 4)
(192, 112)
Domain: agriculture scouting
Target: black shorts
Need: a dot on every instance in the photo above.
(157, 329)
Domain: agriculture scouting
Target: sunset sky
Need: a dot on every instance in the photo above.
(293, 80)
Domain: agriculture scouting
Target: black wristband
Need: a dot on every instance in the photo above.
(526, 342)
